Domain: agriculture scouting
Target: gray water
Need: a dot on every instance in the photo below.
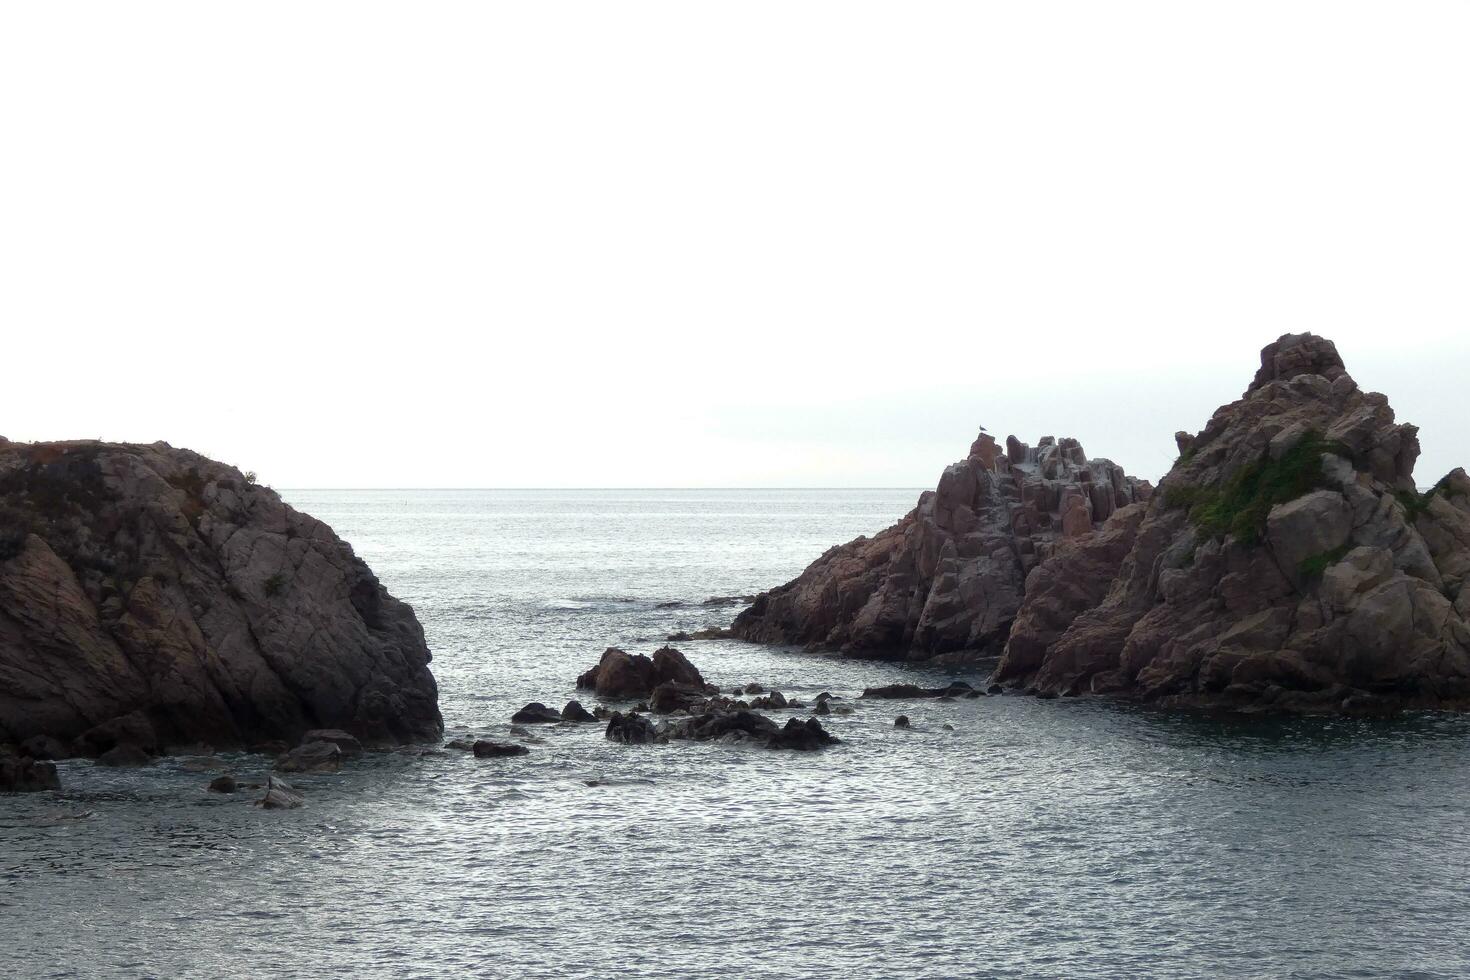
(1064, 838)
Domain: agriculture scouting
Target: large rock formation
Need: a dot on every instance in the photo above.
(153, 597)
(948, 578)
(1288, 562)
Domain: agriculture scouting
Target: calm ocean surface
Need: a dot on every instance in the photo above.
(1035, 839)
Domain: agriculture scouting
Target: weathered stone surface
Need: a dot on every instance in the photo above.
(1287, 564)
(947, 580)
(1308, 527)
(486, 749)
(536, 713)
(624, 676)
(280, 795)
(631, 729)
(311, 757)
(802, 736)
(22, 774)
(575, 712)
(673, 696)
(347, 743)
(151, 583)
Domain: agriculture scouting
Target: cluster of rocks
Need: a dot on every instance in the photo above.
(1289, 563)
(731, 726)
(697, 710)
(945, 582)
(953, 690)
(155, 598)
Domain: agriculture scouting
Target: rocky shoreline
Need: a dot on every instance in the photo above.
(153, 601)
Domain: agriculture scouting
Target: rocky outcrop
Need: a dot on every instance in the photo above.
(1288, 563)
(623, 676)
(947, 580)
(153, 597)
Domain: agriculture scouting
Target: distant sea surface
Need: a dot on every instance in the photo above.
(1070, 838)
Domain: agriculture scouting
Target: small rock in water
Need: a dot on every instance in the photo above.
(348, 744)
(486, 749)
(273, 747)
(902, 721)
(630, 729)
(821, 709)
(201, 764)
(995, 689)
(947, 727)
(575, 712)
(311, 757)
(802, 736)
(223, 784)
(536, 713)
(280, 795)
(753, 688)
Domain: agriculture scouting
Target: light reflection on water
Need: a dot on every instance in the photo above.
(1037, 838)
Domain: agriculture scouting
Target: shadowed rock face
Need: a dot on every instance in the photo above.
(946, 581)
(154, 597)
(1287, 563)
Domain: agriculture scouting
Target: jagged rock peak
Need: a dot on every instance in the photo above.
(1296, 354)
(947, 579)
(1287, 563)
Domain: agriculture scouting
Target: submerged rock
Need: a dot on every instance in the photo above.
(223, 784)
(486, 749)
(22, 774)
(152, 584)
(125, 757)
(311, 757)
(948, 578)
(1288, 563)
(347, 744)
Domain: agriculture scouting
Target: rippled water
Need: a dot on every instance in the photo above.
(1036, 838)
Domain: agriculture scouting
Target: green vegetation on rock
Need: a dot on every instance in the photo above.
(1314, 566)
(1242, 503)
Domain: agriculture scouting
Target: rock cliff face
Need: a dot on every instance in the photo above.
(151, 596)
(947, 580)
(1288, 563)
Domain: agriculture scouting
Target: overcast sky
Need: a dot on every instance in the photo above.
(717, 244)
